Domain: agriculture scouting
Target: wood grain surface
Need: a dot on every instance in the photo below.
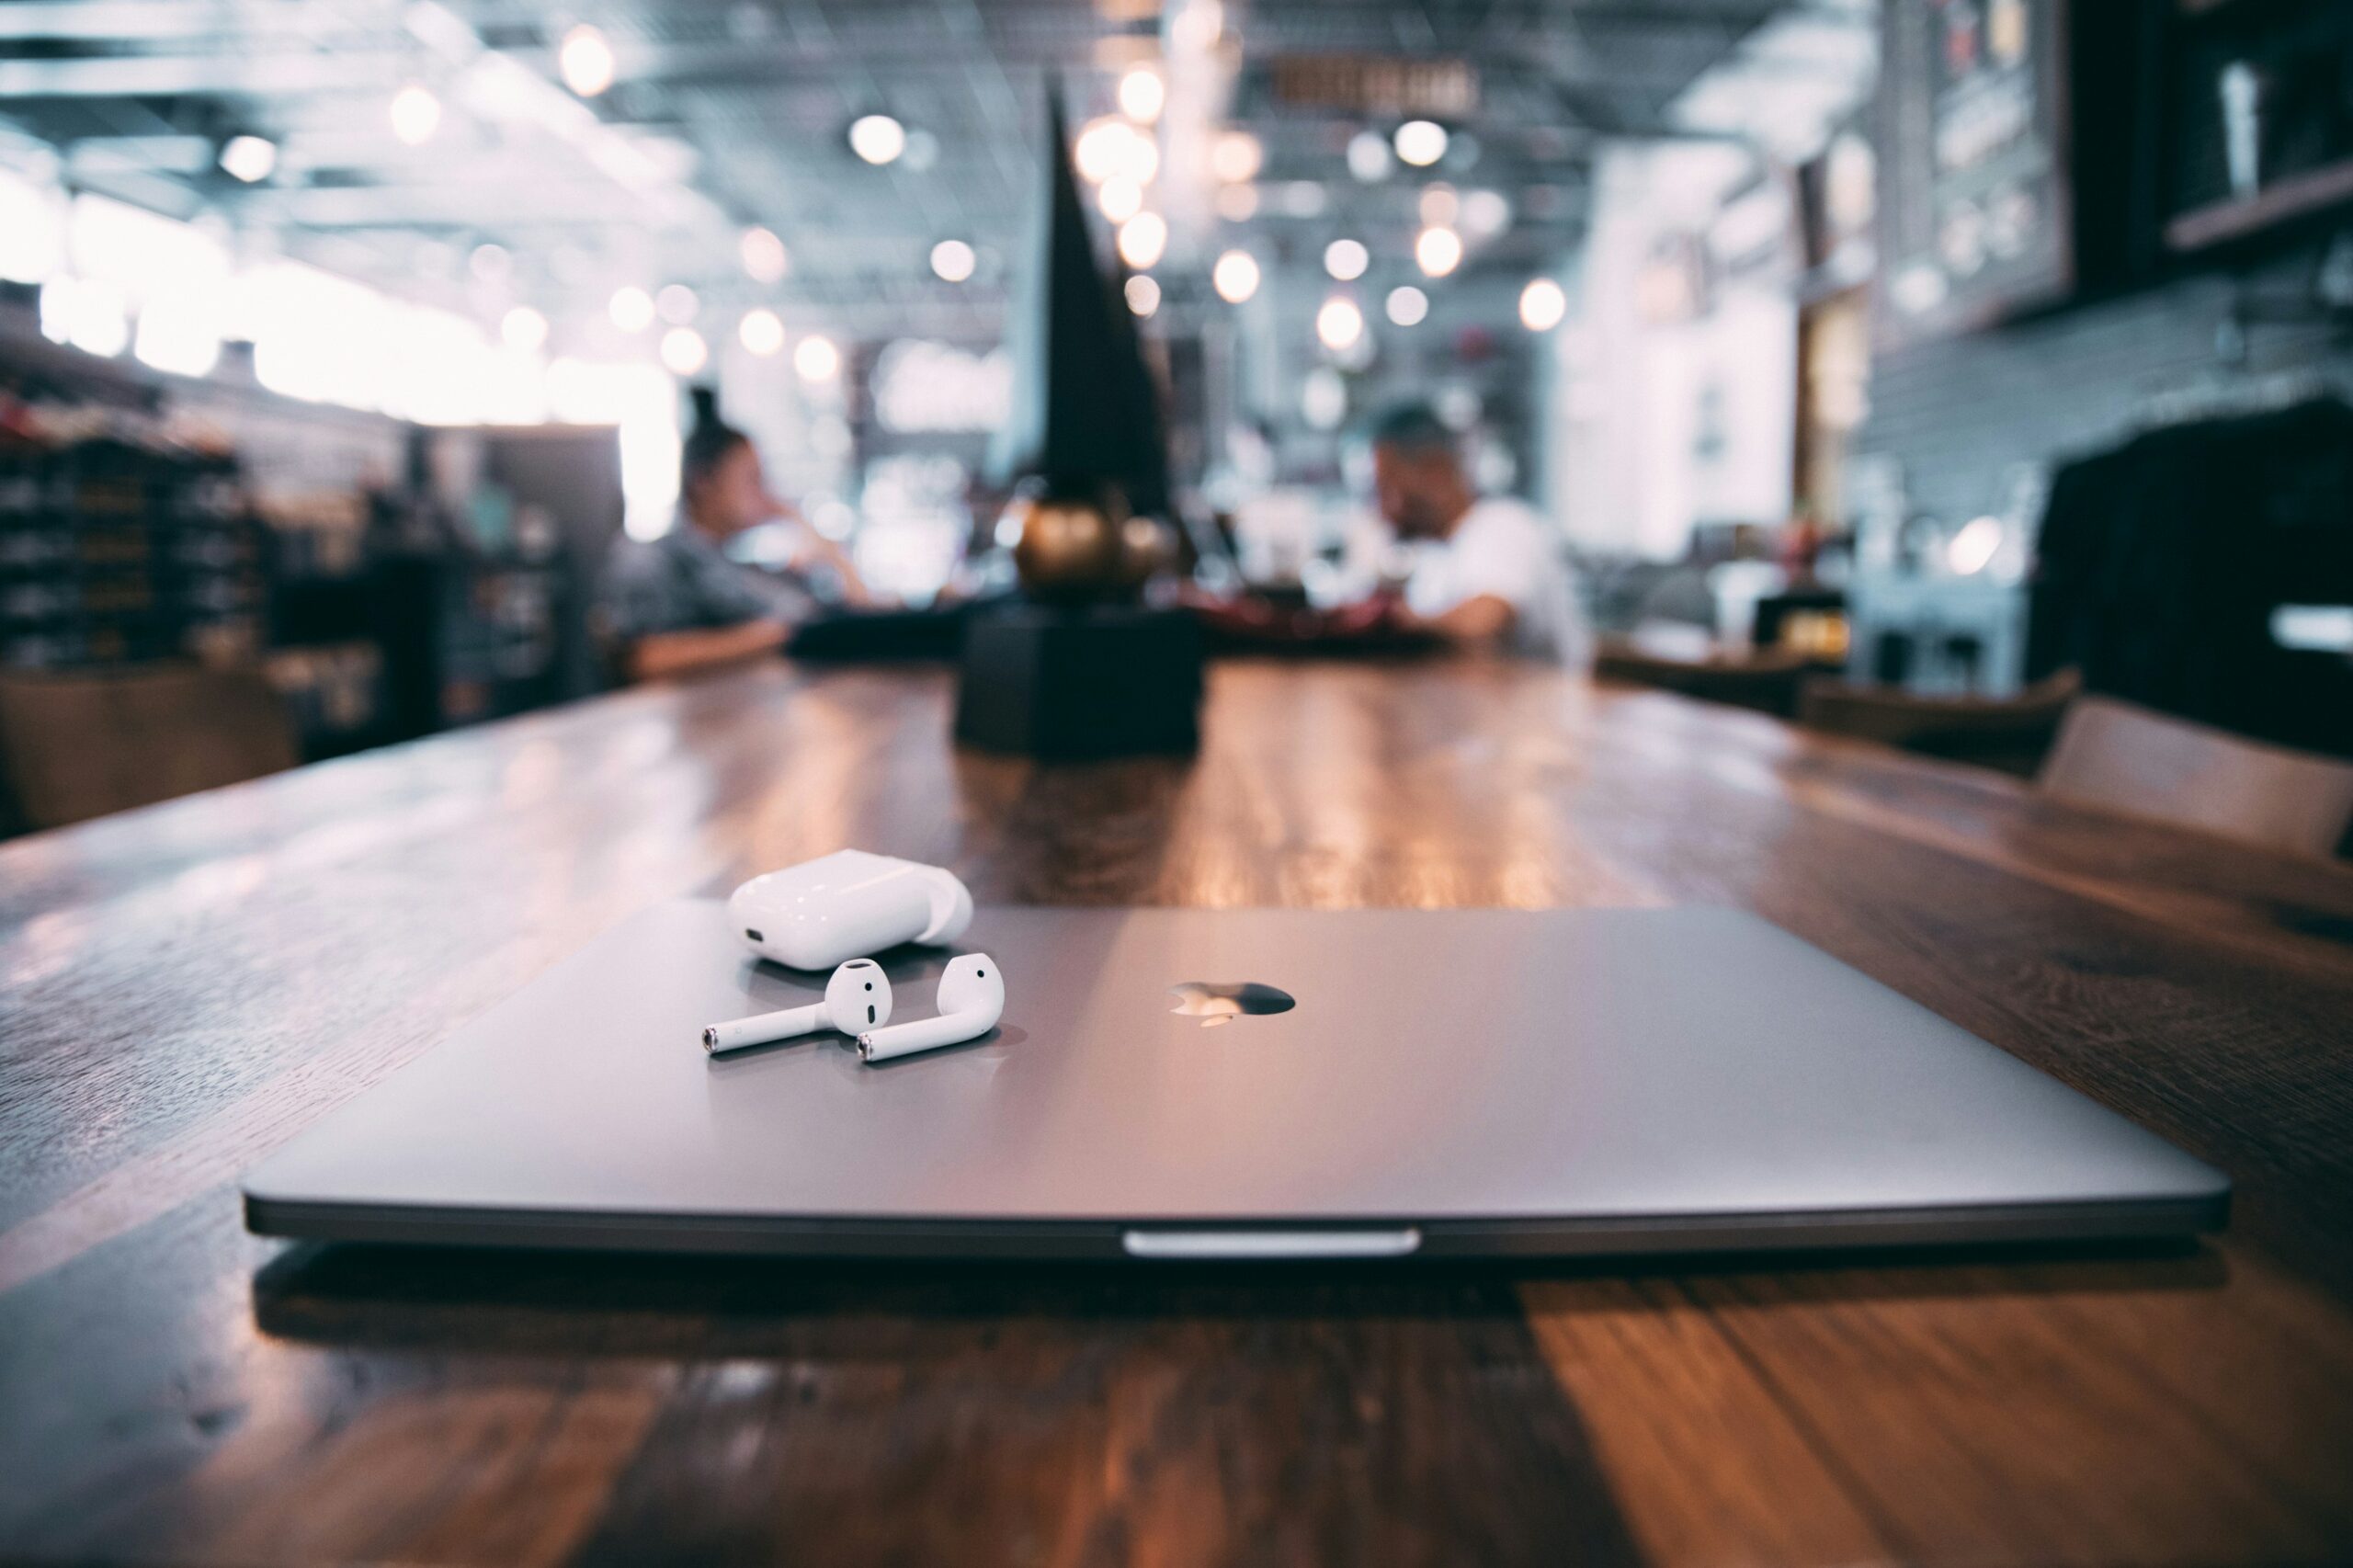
(184, 988)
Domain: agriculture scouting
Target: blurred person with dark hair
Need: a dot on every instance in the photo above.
(678, 603)
(1479, 571)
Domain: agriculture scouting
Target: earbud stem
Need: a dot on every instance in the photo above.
(762, 1027)
(924, 1034)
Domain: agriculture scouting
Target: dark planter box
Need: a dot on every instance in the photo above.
(1081, 683)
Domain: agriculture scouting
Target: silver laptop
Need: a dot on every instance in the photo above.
(1238, 1084)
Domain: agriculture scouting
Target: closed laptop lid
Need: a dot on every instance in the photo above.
(1431, 1080)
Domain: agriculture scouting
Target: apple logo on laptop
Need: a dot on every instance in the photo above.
(1215, 1004)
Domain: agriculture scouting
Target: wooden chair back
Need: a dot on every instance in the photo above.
(2128, 759)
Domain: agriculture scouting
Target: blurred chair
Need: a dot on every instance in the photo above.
(1765, 679)
(2011, 734)
(79, 745)
(2128, 759)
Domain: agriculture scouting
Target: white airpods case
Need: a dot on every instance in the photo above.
(846, 905)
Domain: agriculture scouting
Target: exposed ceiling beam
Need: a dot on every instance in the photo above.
(304, 71)
(165, 155)
(444, 204)
(520, 160)
(265, 74)
(140, 21)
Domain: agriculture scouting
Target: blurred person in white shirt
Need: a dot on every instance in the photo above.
(1479, 571)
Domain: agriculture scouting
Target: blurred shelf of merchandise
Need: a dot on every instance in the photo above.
(386, 581)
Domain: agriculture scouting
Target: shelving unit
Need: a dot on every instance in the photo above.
(2295, 196)
(114, 551)
(284, 543)
(2280, 148)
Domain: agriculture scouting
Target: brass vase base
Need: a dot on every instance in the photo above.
(1079, 552)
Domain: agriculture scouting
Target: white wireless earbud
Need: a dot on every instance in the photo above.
(972, 999)
(858, 998)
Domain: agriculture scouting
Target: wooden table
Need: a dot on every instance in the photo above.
(183, 988)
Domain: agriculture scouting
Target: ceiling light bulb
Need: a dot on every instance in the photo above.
(1486, 214)
(1542, 304)
(523, 328)
(1142, 239)
(878, 138)
(416, 114)
(1235, 276)
(1346, 259)
(1140, 158)
(678, 303)
(586, 60)
(1196, 24)
(1143, 294)
(1438, 251)
(763, 253)
(1368, 156)
(1111, 146)
(1438, 204)
(490, 263)
(1238, 203)
(1339, 323)
(817, 359)
(1098, 150)
(952, 260)
(1236, 156)
(683, 351)
(632, 309)
(1142, 94)
(1119, 197)
(249, 158)
(1420, 143)
(1409, 306)
(761, 330)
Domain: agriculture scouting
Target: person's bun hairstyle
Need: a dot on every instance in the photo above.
(709, 437)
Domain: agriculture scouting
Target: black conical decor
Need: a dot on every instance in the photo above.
(1083, 414)
(1071, 675)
